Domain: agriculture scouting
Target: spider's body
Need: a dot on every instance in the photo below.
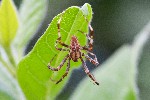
(75, 53)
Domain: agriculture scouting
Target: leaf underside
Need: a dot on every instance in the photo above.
(33, 74)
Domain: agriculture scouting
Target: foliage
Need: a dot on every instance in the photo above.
(34, 65)
(8, 14)
(12, 24)
(29, 78)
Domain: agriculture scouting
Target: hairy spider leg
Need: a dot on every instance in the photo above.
(95, 58)
(66, 73)
(59, 37)
(91, 34)
(60, 66)
(94, 61)
(90, 38)
(87, 71)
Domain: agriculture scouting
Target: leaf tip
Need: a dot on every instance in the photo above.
(87, 10)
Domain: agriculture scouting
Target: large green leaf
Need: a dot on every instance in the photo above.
(31, 13)
(33, 74)
(117, 76)
(8, 22)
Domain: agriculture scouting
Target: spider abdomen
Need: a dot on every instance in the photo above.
(75, 56)
(75, 53)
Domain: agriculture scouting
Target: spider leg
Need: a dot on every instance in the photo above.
(61, 49)
(94, 61)
(87, 71)
(60, 66)
(91, 34)
(66, 73)
(90, 38)
(59, 37)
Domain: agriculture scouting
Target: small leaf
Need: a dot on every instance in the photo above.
(32, 70)
(31, 14)
(8, 22)
(117, 75)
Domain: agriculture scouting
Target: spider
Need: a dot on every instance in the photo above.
(75, 53)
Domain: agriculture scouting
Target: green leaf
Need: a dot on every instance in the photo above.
(9, 88)
(117, 76)
(33, 74)
(8, 22)
(31, 13)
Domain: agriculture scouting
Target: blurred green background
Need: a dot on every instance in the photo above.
(115, 23)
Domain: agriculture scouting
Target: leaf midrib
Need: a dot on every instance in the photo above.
(59, 54)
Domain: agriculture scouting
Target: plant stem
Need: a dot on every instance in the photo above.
(10, 56)
(11, 64)
(10, 69)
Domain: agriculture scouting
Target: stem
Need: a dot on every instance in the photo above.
(10, 56)
(10, 69)
(11, 65)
